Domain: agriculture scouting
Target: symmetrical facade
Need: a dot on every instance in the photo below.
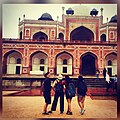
(77, 45)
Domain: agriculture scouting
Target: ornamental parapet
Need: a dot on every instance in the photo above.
(57, 41)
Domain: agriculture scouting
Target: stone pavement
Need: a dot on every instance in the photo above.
(32, 107)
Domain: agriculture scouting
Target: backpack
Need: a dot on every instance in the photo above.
(71, 90)
(58, 86)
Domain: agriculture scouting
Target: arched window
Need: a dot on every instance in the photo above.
(21, 35)
(64, 62)
(109, 62)
(27, 32)
(18, 61)
(103, 38)
(42, 61)
(61, 36)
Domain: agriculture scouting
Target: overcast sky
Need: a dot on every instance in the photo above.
(12, 12)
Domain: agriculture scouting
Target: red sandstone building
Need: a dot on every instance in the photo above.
(77, 45)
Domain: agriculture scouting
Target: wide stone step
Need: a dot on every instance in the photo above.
(93, 82)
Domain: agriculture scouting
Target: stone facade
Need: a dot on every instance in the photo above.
(77, 45)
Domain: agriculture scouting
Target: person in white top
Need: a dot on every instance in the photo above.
(107, 82)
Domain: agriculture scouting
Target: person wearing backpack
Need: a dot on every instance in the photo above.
(59, 93)
(81, 93)
(47, 92)
(68, 96)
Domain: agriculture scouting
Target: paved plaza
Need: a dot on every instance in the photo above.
(32, 107)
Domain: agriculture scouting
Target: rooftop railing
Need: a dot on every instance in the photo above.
(57, 41)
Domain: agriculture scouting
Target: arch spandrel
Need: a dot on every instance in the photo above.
(7, 52)
(73, 26)
(45, 31)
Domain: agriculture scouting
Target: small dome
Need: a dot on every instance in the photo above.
(94, 12)
(69, 8)
(94, 9)
(70, 11)
(114, 18)
(46, 16)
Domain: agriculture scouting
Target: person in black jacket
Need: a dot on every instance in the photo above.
(47, 92)
(81, 93)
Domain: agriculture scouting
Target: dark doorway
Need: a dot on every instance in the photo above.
(110, 71)
(82, 34)
(88, 65)
(103, 38)
(17, 69)
(40, 36)
(61, 36)
(21, 35)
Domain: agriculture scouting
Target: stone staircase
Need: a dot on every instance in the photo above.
(93, 82)
(97, 87)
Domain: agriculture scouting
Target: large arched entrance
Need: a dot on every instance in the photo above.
(12, 63)
(38, 63)
(40, 36)
(88, 64)
(82, 34)
(64, 63)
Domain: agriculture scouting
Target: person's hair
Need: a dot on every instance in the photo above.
(80, 77)
(45, 75)
(67, 79)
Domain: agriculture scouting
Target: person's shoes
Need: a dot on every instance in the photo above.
(61, 112)
(82, 111)
(49, 111)
(69, 113)
(45, 113)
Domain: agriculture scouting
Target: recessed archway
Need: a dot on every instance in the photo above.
(111, 63)
(12, 62)
(64, 63)
(38, 63)
(88, 64)
(40, 36)
(103, 38)
(82, 34)
(61, 36)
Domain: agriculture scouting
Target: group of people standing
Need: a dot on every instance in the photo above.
(61, 86)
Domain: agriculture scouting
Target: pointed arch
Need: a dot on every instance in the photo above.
(10, 65)
(103, 38)
(40, 36)
(82, 34)
(88, 64)
(111, 63)
(38, 62)
(61, 36)
(64, 62)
